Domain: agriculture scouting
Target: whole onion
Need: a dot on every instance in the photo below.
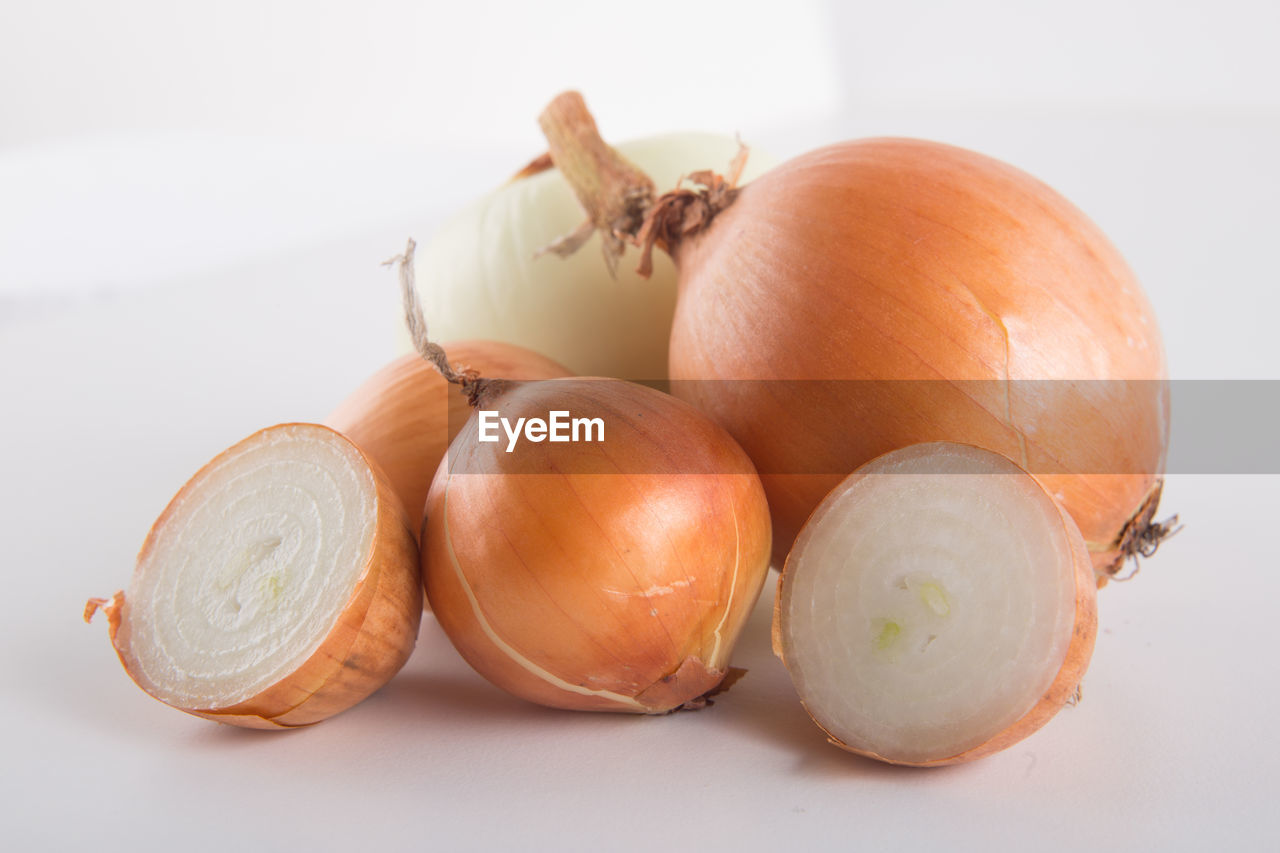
(880, 293)
(608, 570)
(609, 577)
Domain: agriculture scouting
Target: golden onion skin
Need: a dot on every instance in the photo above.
(575, 588)
(898, 259)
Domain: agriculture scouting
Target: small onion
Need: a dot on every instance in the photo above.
(278, 588)
(489, 282)
(928, 289)
(404, 416)
(580, 589)
(614, 575)
(938, 606)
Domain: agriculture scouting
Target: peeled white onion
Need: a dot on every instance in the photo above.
(479, 277)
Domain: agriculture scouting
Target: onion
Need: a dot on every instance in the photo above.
(937, 607)
(489, 283)
(928, 288)
(404, 416)
(610, 575)
(278, 588)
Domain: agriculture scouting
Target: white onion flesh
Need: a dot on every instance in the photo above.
(930, 603)
(479, 278)
(247, 573)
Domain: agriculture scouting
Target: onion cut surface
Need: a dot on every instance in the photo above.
(938, 606)
(276, 589)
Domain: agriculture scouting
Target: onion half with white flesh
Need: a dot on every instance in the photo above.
(278, 588)
(937, 607)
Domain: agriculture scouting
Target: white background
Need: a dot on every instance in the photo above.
(194, 199)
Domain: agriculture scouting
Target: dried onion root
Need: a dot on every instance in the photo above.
(278, 588)
(937, 607)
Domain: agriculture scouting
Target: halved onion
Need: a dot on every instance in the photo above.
(279, 587)
(937, 607)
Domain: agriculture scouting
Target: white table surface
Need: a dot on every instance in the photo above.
(118, 379)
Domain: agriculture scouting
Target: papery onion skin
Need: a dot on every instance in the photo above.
(897, 259)
(1065, 684)
(405, 415)
(369, 642)
(620, 591)
(482, 279)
